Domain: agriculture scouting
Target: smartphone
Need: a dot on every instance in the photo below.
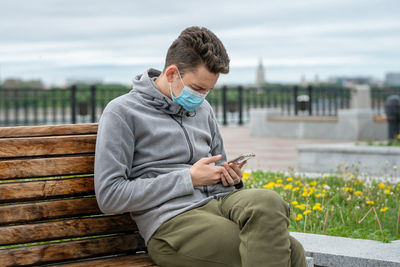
(242, 158)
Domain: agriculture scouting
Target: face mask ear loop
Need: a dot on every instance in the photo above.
(180, 77)
(170, 90)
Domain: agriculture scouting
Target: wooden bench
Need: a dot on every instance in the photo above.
(48, 215)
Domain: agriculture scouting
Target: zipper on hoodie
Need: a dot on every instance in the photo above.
(187, 138)
(205, 188)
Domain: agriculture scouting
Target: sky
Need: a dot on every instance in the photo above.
(112, 41)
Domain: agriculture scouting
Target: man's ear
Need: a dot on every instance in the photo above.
(170, 72)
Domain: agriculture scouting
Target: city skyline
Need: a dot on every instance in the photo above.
(59, 40)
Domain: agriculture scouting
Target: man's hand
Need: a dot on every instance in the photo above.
(231, 173)
(203, 173)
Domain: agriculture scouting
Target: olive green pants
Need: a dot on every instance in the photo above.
(245, 228)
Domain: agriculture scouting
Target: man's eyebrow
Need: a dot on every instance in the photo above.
(199, 87)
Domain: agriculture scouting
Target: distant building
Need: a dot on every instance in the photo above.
(346, 80)
(392, 78)
(15, 83)
(303, 81)
(260, 76)
(71, 81)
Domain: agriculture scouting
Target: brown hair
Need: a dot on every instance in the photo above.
(196, 46)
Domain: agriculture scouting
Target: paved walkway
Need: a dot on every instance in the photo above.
(272, 153)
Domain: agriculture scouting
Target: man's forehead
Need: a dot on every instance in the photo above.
(202, 79)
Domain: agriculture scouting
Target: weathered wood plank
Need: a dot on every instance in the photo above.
(52, 252)
(52, 230)
(12, 192)
(42, 167)
(140, 260)
(48, 210)
(47, 130)
(55, 145)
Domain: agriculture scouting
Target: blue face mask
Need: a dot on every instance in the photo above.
(189, 99)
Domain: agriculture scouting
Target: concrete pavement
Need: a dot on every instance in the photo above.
(272, 153)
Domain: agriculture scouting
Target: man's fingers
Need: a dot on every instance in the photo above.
(223, 180)
(212, 159)
(237, 170)
(241, 164)
(229, 174)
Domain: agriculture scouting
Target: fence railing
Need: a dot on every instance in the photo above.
(378, 97)
(232, 104)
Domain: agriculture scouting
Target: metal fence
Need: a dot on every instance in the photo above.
(232, 104)
(378, 97)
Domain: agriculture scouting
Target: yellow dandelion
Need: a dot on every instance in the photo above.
(398, 136)
(296, 188)
(269, 185)
(382, 185)
(246, 175)
(323, 195)
(301, 206)
(370, 202)
(305, 194)
(295, 202)
(317, 207)
(384, 209)
(387, 191)
(279, 181)
(317, 195)
(351, 176)
(306, 212)
(313, 183)
(299, 217)
(358, 193)
(289, 179)
(288, 186)
(326, 175)
(357, 182)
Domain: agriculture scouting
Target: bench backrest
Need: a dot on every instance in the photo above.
(48, 211)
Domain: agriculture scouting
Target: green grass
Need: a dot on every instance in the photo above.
(336, 205)
(394, 142)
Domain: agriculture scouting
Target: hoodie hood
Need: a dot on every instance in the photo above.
(150, 94)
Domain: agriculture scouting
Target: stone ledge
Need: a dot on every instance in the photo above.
(340, 251)
(304, 118)
(349, 148)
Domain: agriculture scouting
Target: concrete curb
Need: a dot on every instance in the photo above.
(341, 251)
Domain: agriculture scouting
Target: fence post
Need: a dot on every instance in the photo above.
(240, 101)
(295, 93)
(93, 102)
(73, 104)
(310, 100)
(224, 106)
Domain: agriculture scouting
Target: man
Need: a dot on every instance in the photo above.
(160, 156)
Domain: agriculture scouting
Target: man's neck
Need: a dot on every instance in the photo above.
(163, 85)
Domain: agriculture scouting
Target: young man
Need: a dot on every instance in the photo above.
(160, 156)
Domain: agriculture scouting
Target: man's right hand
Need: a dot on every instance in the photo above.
(203, 173)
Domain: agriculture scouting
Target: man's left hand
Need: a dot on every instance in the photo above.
(231, 173)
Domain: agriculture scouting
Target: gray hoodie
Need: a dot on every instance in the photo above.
(145, 147)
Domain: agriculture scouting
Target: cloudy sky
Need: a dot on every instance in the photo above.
(54, 40)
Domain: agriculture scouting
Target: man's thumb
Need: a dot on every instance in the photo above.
(213, 159)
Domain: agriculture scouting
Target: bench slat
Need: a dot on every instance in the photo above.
(78, 249)
(26, 233)
(47, 130)
(12, 192)
(140, 260)
(29, 168)
(48, 210)
(54, 145)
